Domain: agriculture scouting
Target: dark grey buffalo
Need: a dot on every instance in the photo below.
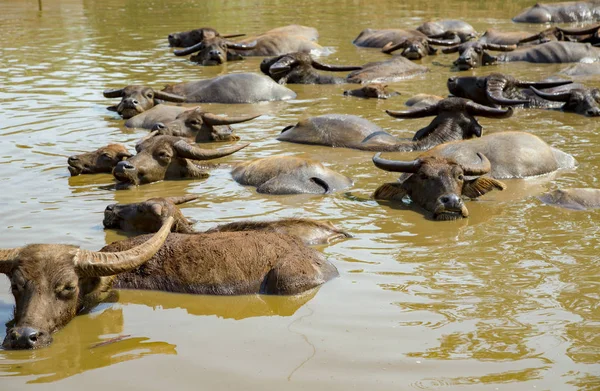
(578, 99)
(289, 175)
(159, 113)
(577, 199)
(447, 28)
(166, 157)
(567, 12)
(215, 51)
(474, 54)
(395, 69)
(230, 88)
(438, 178)
(454, 120)
(189, 38)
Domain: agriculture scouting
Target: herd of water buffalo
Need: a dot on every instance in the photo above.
(53, 283)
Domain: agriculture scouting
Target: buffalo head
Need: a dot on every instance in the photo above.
(577, 100)
(51, 283)
(474, 54)
(496, 89)
(215, 51)
(190, 38)
(149, 215)
(101, 160)
(200, 126)
(166, 157)
(372, 90)
(437, 184)
(137, 99)
(300, 68)
(415, 48)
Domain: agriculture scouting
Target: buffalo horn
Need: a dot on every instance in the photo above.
(99, 264)
(7, 258)
(191, 151)
(499, 48)
(396, 165)
(215, 120)
(479, 169)
(334, 68)
(581, 31)
(113, 93)
(233, 36)
(542, 84)
(485, 111)
(138, 144)
(444, 42)
(392, 47)
(417, 113)
(495, 87)
(451, 49)
(189, 50)
(182, 199)
(168, 97)
(555, 97)
(241, 46)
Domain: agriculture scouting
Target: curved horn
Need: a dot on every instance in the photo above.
(451, 49)
(531, 38)
(168, 96)
(241, 46)
(495, 87)
(99, 264)
(396, 165)
(479, 169)
(390, 47)
(417, 113)
(113, 93)
(485, 111)
(542, 84)
(191, 151)
(7, 258)
(215, 120)
(182, 199)
(555, 97)
(233, 36)
(444, 42)
(189, 50)
(499, 48)
(334, 68)
(581, 31)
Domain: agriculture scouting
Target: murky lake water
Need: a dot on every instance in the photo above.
(504, 300)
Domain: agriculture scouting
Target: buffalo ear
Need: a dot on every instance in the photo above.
(393, 191)
(481, 185)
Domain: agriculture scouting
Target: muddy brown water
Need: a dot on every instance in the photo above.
(504, 300)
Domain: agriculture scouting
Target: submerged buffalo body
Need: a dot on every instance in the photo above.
(567, 12)
(395, 69)
(454, 121)
(289, 175)
(159, 113)
(52, 283)
(447, 28)
(577, 199)
(301, 68)
(438, 178)
(103, 159)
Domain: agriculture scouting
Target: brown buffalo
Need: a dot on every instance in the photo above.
(372, 90)
(438, 178)
(148, 216)
(215, 51)
(289, 175)
(166, 157)
(576, 199)
(199, 126)
(136, 99)
(192, 37)
(53, 283)
(103, 159)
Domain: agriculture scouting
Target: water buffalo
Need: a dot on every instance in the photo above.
(588, 34)
(567, 12)
(474, 54)
(437, 179)
(230, 88)
(454, 121)
(148, 216)
(289, 175)
(497, 90)
(166, 157)
(582, 70)
(448, 28)
(51, 284)
(393, 70)
(192, 37)
(159, 113)
(373, 90)
(215, 51)
(200, 126)
(577, 199)
(576, 100)
(103, 159)
(423, 100)
(300, 68)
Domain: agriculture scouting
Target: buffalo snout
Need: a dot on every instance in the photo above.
(19, 338)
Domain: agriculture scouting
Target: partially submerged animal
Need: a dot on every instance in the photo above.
(215, 51)
(103, 159)
(229, 88)
(289, 175)
(159, 113)
(301, 68)
(372, 90)
(438, 178)
(448, 28)
(192, 37)
(564, 12)
(577, 198)
(454, 121)
(393, 70)
(52, 283)
(166, 157)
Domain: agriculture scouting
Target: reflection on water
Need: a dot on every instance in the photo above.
(504, 300)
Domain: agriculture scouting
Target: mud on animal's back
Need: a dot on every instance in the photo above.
(553, 52)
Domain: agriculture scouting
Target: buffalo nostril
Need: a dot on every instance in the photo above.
(160, 126)
(171, 36)
(110, 207)
(452, 79)
(73, 158)
(445, 200)
(593, 113)
(127, 166)
(135, 102)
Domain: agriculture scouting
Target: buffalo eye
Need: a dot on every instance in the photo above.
(150, 95)
(106, 156)
(478, 50)
(67, 291)
(195, 122)
(164, 156)
(460, 177)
